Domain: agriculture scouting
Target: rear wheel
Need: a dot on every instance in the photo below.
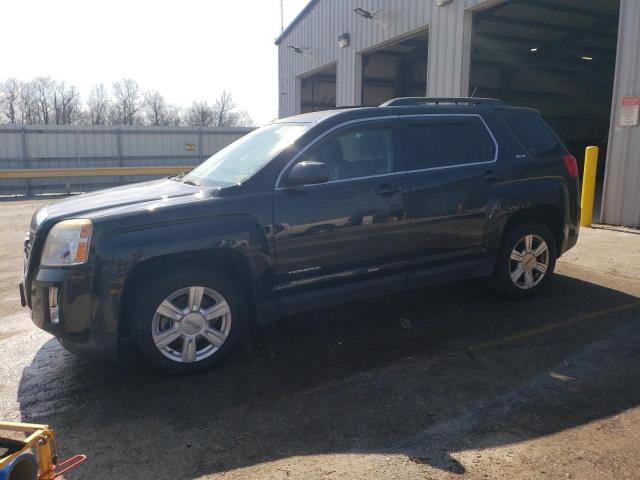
(526, 260)
(188, 321)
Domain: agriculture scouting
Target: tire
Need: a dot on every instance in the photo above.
(177, 338)
(520, 277)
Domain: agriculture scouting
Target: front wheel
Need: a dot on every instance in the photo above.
(526, 260)
(188, 321)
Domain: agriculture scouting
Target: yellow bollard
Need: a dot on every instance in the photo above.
(588, 185)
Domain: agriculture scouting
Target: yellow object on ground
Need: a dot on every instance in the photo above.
(588, 185)
(22, 457)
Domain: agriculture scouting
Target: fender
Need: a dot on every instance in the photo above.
(121, 251)
(512, 197)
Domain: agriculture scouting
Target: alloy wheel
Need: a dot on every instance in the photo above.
(529, 261)
(191, 324)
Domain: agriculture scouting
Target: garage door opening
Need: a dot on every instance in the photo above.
(398, 70)
(318, 90)
(557, 56)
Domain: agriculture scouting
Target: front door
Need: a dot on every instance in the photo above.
(355, 225)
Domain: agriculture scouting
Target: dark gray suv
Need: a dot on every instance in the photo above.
(309, 211)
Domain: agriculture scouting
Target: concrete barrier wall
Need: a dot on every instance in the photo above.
(44, 146)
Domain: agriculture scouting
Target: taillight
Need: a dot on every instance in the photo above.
(571, 165)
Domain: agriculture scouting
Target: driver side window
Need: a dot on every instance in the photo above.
(356, 152)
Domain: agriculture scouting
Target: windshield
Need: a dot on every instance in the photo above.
(238, 161)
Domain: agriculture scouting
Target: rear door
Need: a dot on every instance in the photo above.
(354, 226)
(548, 154)
(452, 165)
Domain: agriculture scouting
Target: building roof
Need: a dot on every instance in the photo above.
(303, 13)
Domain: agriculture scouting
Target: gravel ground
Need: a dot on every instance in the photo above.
(451, 382)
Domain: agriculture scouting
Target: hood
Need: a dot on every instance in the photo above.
(126, 195)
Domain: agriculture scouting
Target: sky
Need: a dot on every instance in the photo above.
(186, 49)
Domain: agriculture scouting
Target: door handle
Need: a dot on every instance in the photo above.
(490, 176)
(387, 190)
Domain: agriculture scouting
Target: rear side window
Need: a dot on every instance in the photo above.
(532, 132)
(448, 141)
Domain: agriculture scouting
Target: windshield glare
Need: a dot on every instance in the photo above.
(241, 159)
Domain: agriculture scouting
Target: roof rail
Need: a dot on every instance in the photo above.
(407, 101)
(347, 107)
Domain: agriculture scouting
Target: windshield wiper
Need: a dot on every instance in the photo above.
(178, 177)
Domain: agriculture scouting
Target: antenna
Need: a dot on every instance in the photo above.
(281, 87)
(281, 17)
(474, 91)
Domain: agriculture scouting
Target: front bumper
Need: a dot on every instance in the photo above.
(85, 326)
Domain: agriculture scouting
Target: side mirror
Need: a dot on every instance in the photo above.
(308, 173)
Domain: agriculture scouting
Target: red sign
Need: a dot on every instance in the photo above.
(629, 111)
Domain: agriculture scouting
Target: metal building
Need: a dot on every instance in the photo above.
(576, 61)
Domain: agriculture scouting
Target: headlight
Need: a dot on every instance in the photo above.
(67, 243)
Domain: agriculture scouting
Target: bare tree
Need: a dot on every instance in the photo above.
(223, 108)
(173, 116)
(127, 103)
(153, 107)
(98, 105)
(158, 112)
(10, 99)
(200, 114)
(29, 114)
(43, 97)
(66, 104)
(241, 119)
(46, 101)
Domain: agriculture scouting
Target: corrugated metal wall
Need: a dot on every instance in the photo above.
(319, 31)
(621, 197)
(449, 50)
(449, 39)
(82, 147)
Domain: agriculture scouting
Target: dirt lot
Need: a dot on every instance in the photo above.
(452, 382)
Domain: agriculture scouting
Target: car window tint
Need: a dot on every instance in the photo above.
(356, 153)
(534, 134)
(448, 142)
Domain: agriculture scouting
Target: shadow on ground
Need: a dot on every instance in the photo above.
(443, 370)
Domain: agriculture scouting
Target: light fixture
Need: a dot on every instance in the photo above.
(364, 13)
(587, 58)
(534, 49)
(344, 39)
(300, 50)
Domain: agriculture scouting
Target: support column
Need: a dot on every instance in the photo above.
(449, 50)
(357, 78)
(119, 150)
(25, 156)
(348, 77)
(621, 196)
